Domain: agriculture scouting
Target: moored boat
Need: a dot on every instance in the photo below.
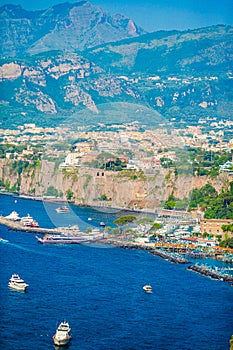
(29, 221)
(17, 283)
(63, 334)
(13, 216)
(102, 223)
(70, 238)
(63, 209)
(147, 288)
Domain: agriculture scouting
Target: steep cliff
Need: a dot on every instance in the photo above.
(95, 187)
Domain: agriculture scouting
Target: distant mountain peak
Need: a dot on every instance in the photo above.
(75, 26)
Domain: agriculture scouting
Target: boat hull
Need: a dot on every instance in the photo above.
(61, 342)
(17, 287)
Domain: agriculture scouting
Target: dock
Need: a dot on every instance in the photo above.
(17, 226)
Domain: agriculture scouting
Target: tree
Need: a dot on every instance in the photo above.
(52, 191)
(124, 220)
(69, 194)
(156, 226)
(144, 221)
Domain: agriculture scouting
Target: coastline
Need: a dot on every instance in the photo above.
(54, 200)
(60, 200)
(152, 249)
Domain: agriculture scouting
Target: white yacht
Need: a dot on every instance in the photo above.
(29, 221)
(14, 216)
(62, 336)
(17, 283)
(147, 288)
(63, 209)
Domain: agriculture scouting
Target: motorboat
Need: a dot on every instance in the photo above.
(63, 209)
(17, 283)
(147, 288)
(102, 223)
(89, 219)
(62, 336)
(2, 240)
(29, 221)
(13, 216)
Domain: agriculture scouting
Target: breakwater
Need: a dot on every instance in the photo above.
(211, 272)
(172, 257)
(17, 226)
(128, 245)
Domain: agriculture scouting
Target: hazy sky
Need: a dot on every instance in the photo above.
(154, 15)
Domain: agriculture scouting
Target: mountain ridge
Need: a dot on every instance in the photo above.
(77, 26)
(47, 76)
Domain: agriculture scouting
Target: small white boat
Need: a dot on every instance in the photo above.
(89, 219)
(2, 240)
(17, 283)
(13, 216)
(102, 223)
(147, 288)
(62, 336)
(63, 209)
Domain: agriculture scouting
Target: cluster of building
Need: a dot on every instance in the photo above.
(146, 150)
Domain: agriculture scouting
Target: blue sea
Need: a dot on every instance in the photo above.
(98, 290)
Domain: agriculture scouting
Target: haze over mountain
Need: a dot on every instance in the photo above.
(74, 56)
(154, 15)
(62, 27)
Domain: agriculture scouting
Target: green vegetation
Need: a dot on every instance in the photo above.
(175, 203)
(107, 161)
(52, 191)
(207, 162)
(88, 179)
(145, 221)
(69, 194)
(124, 220)
(132, 174)
(9, 148)
(166, 162)
(156, 226)
(216, 206)
(227, 228)
(103, 197)
(227, 243)
(126, 152)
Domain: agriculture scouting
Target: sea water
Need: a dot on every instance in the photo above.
(98, 290)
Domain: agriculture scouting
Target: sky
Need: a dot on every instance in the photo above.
(153, 15)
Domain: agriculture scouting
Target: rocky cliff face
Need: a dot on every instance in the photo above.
(88, 185)
(70, 57)
(65, 26)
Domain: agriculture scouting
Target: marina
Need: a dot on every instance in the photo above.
(104, 285)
